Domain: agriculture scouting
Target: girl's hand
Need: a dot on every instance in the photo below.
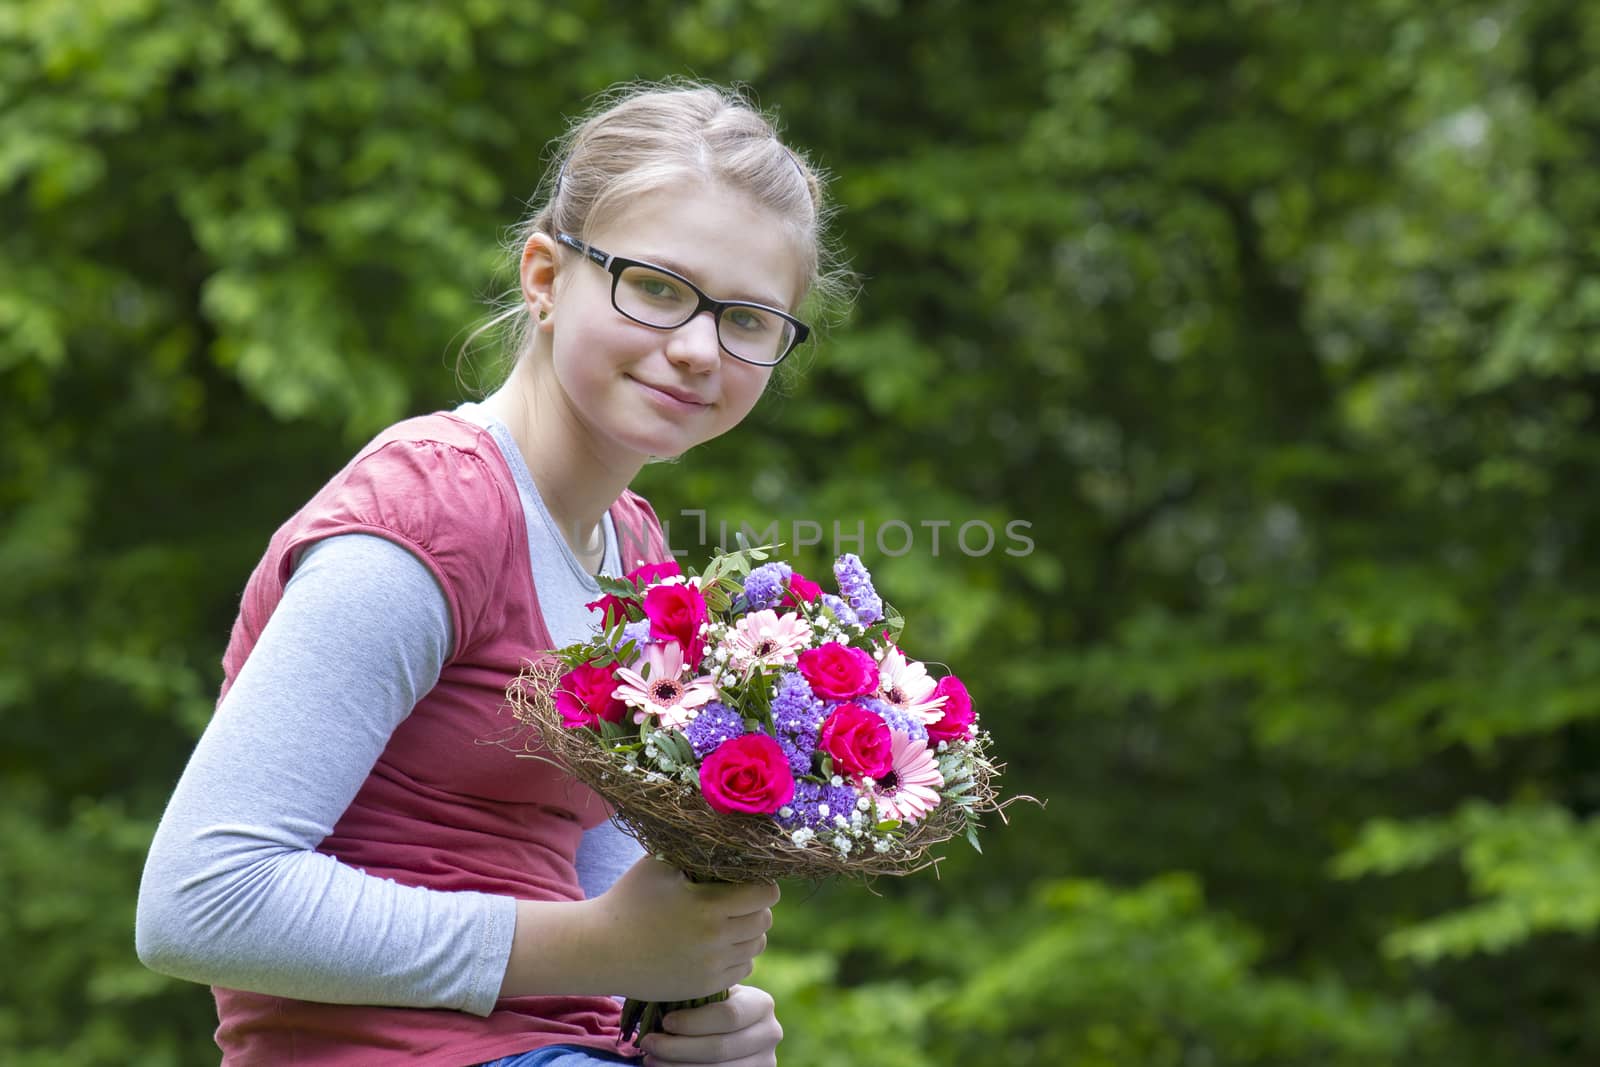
(741, 1031)
(667, 938)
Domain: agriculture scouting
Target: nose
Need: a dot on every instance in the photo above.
(694, 345)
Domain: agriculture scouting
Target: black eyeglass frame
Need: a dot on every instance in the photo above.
(615, 265)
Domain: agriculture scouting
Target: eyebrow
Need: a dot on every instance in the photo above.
(678, 268)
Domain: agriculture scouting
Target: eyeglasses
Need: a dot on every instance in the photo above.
(656, 297)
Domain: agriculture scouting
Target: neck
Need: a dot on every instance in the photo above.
(578, 480)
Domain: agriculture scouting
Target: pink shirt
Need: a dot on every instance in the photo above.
(441, 808)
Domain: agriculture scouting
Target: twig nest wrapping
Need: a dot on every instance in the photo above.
(671, 819)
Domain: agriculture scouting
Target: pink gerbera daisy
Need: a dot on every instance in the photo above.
(905, 684)
(767, 639)
(911, 789)
(664, 693)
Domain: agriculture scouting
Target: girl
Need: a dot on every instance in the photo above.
(358, 874)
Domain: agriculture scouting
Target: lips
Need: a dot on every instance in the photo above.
(681, 395)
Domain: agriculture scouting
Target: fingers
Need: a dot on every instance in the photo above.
(745, 1006)
(741, 1031)
(747, 927)
(751, 948)
(699, 937)
(738, 930)
(738, 940)
(758, 1059)
(746, 938)
(764, 1059)
(744, 898)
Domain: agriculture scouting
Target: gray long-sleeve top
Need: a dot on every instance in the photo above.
(234, 892)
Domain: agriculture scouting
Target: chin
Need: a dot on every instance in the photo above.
(659, 451)
(667, 445)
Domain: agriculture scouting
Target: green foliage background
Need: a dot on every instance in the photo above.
(1276, 321)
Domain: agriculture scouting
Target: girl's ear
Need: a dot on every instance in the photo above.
(540, 264)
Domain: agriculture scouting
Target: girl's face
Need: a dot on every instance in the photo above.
(636, 391)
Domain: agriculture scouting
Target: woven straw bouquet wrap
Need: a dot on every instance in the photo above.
(671, 819)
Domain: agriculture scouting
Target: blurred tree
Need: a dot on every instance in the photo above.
(1260, 337)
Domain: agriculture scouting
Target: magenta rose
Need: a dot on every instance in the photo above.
(858, 740)
(801, 589)
(614, 609)
(676, 613)
(645, 573)
(584, 697)
(748, 774)
(839, 672)
(956, 724)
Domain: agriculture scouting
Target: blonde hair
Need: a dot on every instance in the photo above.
(643, 137)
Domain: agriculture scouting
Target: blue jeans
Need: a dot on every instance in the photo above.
(560, 1056)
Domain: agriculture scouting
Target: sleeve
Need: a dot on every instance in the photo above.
(414, 492)
(234, 892)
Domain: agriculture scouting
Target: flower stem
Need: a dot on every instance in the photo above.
(643, 1017)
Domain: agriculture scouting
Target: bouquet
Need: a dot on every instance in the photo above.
(746, 725)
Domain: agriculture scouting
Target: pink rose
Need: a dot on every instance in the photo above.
(614, 609)
(839, 672)
(801, 589)
(858, 740)
(645, 573)
(584, 697)
(747, 774)
(676, 613)
(956, 724)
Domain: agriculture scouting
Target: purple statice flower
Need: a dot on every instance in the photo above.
(802, 809)
(796, 718)
(841, 611)
(855, 584)
(815, 805)
(841, 798)
(898, 718)
(835, 800)
(799, 751)
(795, 709)
(763, 587)
(715, 724)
